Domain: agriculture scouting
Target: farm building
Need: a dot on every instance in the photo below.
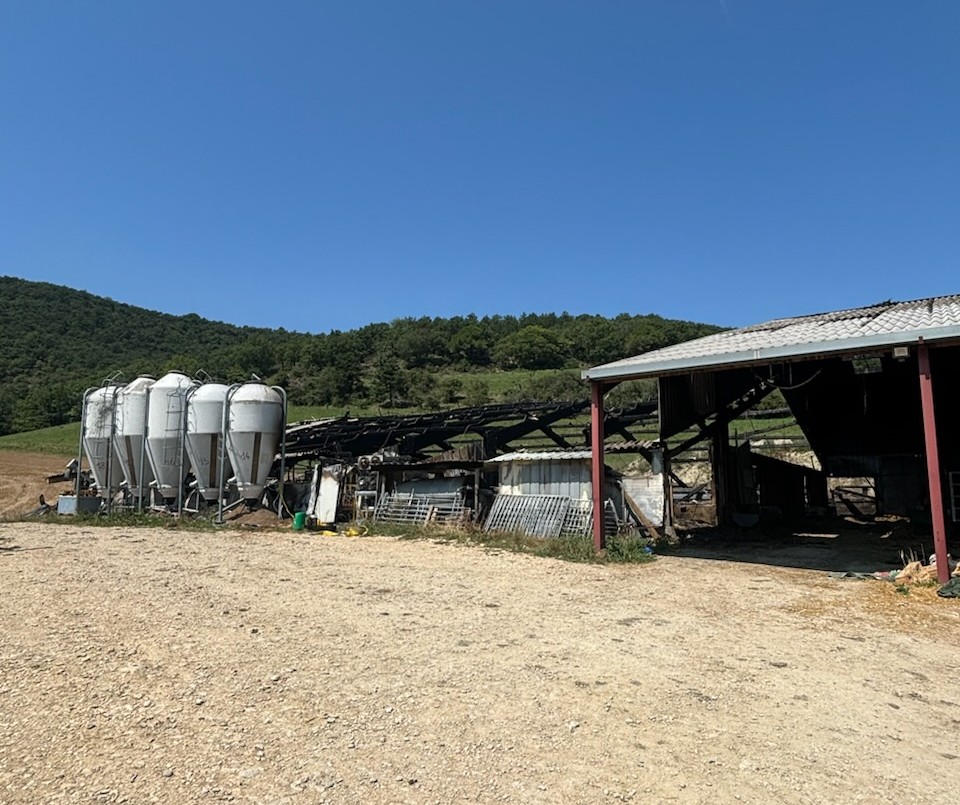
(550, 493)
(446, 466)
(873, 390)
(545, 472)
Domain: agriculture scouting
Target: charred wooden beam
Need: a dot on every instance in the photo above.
(555, 437)
(725, 416)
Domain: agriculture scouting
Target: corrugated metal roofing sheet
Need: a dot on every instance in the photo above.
(572, 454)
(842, 331)
(542, 455)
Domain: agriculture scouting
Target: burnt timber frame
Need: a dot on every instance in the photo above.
(493, 429)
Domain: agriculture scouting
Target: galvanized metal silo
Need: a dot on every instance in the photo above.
(256, 415)
(98, 423)
(130, 432)
(166, 408)
(205, 406)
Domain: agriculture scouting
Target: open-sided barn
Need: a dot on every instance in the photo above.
(873, 389)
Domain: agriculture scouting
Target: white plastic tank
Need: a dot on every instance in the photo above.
(98, 425)
(130, 431)
(204, 426)
(165, 425)
(254, 429)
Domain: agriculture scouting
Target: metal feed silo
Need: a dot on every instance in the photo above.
(166, 406)
(129, 433)
(256, 415)
(204, 429)
(99, 409)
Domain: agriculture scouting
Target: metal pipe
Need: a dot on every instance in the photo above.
(182, 446)
(238, 502)
(183, 436)
(141, 486)
(223, 448)
(283, 449)
(146, 433)
(83, 432)
(113, 433)
(933, 463)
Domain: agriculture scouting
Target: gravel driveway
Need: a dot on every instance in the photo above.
(156, 665)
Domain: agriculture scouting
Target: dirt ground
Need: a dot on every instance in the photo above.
(23, 478)
(267, 666)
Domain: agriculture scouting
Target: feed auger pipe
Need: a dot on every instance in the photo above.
(223, 447)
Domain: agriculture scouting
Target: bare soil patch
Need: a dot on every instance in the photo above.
(23, 478)
(154, 665)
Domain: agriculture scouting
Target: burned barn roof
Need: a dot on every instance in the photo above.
(463, 434)
(840, 332)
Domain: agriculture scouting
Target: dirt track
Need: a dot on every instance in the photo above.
(270, 667)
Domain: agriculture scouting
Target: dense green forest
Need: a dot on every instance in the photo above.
(55, 342)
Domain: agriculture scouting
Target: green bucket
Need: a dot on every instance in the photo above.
(299, 520)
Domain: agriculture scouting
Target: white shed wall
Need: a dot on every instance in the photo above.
(568, 478)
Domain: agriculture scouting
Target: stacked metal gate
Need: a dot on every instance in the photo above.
(547, 516)
(419, 509)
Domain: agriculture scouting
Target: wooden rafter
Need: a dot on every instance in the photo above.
(724, 416)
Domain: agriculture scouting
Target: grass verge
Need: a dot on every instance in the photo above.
(124, 520)
(620, 549)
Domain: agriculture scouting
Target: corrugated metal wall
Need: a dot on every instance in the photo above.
(568, 478)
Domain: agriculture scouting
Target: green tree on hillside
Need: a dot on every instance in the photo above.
(420, 343)
(533, 347)
(56, 341)
(389, 384)
(471, 346)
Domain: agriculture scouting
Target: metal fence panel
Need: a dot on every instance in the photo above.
(419, 509)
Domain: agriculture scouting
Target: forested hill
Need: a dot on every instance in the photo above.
(56, 341)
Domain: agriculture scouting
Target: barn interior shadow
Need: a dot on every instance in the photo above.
(831, 545)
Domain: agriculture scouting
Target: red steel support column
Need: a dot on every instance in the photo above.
(933, 463)
(596, 464)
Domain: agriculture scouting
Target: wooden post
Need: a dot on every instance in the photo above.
(933, 463)
(597, 464)
(476, 496)
(667, 492)
(720, 461)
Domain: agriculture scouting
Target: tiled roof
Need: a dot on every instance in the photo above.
(843, 331)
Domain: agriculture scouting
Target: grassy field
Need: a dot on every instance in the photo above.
(61, 440)
(515, 384)
(299, 413)
(64, 439)
(754, 429)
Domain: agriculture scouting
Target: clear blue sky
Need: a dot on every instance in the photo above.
(319, 165)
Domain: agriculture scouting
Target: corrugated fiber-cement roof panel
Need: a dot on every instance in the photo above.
(542, 455)
(844, 331)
